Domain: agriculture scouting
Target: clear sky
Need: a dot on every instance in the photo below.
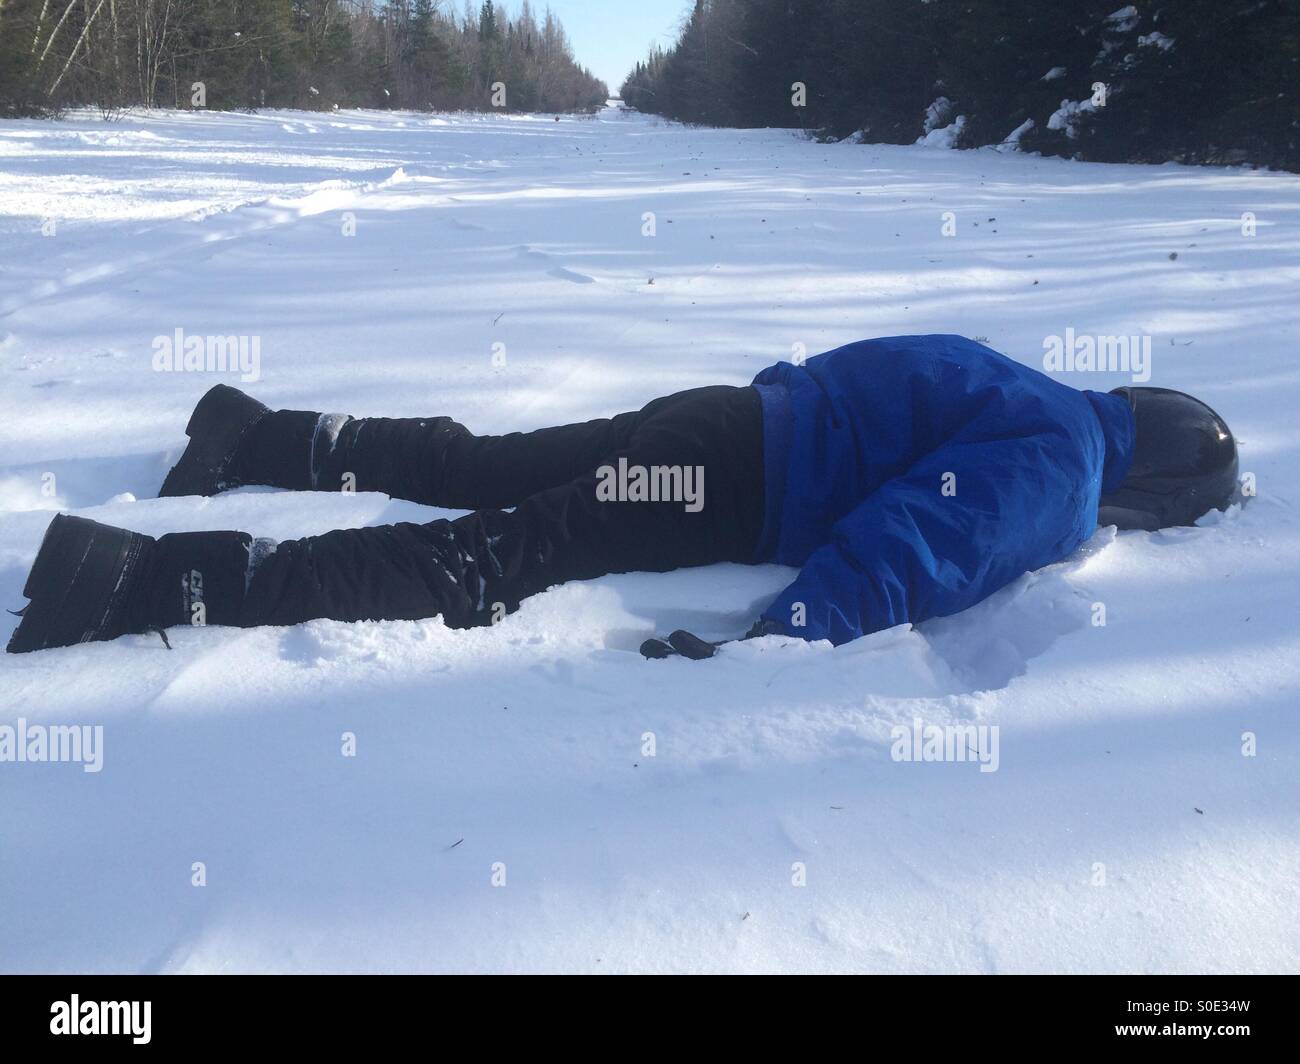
(609, 36)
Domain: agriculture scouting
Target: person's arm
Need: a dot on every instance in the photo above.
(962, 522)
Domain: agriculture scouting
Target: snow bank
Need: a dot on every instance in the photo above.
(945, 136)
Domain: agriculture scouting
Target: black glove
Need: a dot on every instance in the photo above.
(680, 644)
(684, 644)
(761, 628)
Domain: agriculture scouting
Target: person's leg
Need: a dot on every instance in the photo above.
(472, 569)
(708, 441)
(235, 440)
(430, 460)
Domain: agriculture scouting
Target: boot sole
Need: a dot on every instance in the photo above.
(215, 428)
(74, 584)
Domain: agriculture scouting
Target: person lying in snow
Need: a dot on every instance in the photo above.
(907, 477)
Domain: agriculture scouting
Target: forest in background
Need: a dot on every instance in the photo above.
(314, 54)
(1194, 81)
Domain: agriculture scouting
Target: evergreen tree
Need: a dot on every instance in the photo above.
(1187, 80)
(290, 53)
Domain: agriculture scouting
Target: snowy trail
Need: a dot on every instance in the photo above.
(524, 745)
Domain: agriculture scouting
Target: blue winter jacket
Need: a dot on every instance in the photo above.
(912, 476)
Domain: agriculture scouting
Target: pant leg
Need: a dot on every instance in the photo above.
(469, 472)
(577, 532)
(429, 460)
(472, 569)
(494, 471)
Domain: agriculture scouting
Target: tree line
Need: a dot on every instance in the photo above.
(315, 54)
(1196, 81)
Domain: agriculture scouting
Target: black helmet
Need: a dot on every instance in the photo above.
(1184, 463)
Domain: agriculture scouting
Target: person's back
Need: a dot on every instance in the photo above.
(911, 476)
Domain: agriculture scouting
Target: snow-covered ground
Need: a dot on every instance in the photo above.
(1124, 828)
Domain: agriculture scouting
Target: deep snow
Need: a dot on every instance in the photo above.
(1120, 745)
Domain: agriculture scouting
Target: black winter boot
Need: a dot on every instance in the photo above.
(222, 418)
(235, 440)
(92, 582)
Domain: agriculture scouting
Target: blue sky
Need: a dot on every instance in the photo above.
(609, 36)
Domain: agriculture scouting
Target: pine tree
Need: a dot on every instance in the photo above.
(1187, 80)
(295, 53)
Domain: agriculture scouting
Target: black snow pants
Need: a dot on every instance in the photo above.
(588, 499)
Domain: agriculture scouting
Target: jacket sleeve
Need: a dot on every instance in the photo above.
(962, 522)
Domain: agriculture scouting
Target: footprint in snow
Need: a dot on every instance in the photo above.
(552, 267)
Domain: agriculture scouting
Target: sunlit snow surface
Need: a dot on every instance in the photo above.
(1124, 828)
